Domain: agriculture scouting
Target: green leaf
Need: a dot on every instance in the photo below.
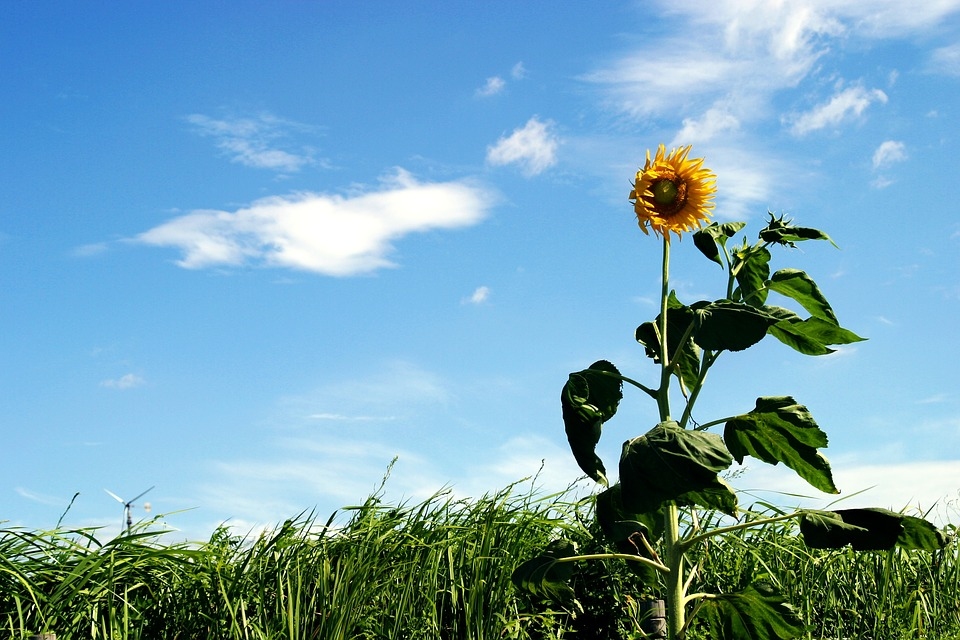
(670, 464)
(780, 430)
(708, 238)
(627, 531)
(752, 268)
(590, 398)
(796, 284)
(781, 231)
(811, 336)
(732, 326)
(869, 529)
(679, 318)
(756, 613)
(544, 576)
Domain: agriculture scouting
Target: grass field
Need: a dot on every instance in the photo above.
(437, 569)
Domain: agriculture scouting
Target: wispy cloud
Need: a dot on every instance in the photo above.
(888, 153)
(533, 147)
(492, 87)
(128, 381)
(719, 88)
(945, 60)
(848, 104)
(322, 233)
(495, 85)
(479, 296)
(260, 142)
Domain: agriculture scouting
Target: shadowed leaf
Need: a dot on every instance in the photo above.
(869, 529)
(670, 464)
(756, 613)
(731, 326)
(751, 269)
(780, 430)
(590, 398)
(710, 238)
(679, 319)
(544, 576)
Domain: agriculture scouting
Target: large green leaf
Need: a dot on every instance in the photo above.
(687, 355)
(756, 613)
(731, 326)
(812, 336)
(708, 238)
(670, 464)
(752, 268)
(628, 531)
(796, 284)
(590, 398)
(781, 231)
(869, 529)
(544, 576)
(780, 430)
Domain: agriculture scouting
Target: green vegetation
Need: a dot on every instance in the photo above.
(439, 569)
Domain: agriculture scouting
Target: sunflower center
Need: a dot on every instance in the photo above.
(669, 194)
(664, 192)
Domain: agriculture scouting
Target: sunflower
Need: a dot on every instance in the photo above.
(672, 193)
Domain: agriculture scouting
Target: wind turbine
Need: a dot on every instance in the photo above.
(127, 504)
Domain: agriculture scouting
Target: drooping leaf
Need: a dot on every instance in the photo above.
(868, 529)
(781, 231)
(590, 398)
(811, 336)
(687, 355)
(919, 533)
(708, 238)
(545, 577)
(756, 613)
(799, 286)
(731, 326)
(628, 532)
(780, 430)
(793, 334)
(670, 464)
(752, 268)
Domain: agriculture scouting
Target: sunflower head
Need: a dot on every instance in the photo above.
(672, 193)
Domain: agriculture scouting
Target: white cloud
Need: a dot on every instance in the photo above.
(322, 233)
(945, 60)
(914, 486)
(256, 142)
(518, 72)
(492, 87)
(90, 250)
(128, 381)
(723, 77)
(848, 103)
(533, 147)
(714, 121)
(479, 296)
(888, 153)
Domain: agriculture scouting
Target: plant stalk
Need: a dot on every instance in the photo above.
(673, 552)
(663, 393)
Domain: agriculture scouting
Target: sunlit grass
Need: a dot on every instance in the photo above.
(436, 569)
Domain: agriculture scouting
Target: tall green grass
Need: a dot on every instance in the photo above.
(438, 569)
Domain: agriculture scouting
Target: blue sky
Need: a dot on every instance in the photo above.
(250, 253)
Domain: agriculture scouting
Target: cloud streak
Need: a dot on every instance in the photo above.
(843, 106)
(532, 147)
(256, 142)
(321, 233)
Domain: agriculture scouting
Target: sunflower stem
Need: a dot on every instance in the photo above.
(673, 549)
(663, 394)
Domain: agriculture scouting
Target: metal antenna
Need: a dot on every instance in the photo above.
(127, 504)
